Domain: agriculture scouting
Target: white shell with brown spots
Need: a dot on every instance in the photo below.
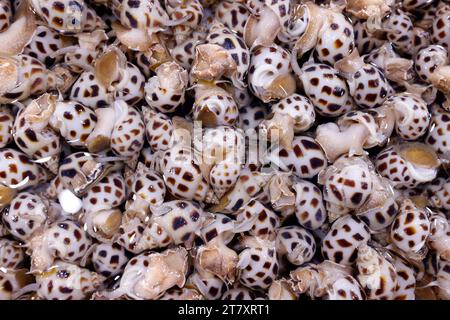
(257, 220)
(19, 171)
(88, 91)
(346, 288)
(233, 15)
(66, 281)
(5, 15)
(335, 39)
(183, 176)
(348, 183)
(305, 160)
(64, 240)
(191, 9)
(411, 227)
(11, 254)
(298, 108)
(406, 280)
(258, 265)
(399, 30)
(365, 42)
(326, 89)
(341, 243)
(143, 15)
(59, 15)
(309, 206)
(180, 220)
(210, 286)
(44, 44)
(32, 78)
(412, 115)
(34, 136)
(252, 115)
(158, 129)
(369, 87)
(440, 196)
(131, 85)
(72, 172)
(428, 59)
(238, 293)
(74, 122)
(267, 63)
(215, 107)
(6, 125)
(439, 133)
(127, 137)
(26, 214)
(401, 172)
(376, 274)
(224, 37)
(148, 186)
(297, 244)
(108, 193)
(108, 259)
(440, 31)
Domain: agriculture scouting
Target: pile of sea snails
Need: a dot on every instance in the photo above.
(201, 149)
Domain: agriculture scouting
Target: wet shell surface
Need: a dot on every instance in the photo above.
(224, 150)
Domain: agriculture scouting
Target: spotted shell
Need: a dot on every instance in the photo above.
(238, 293)
(181, 221)
(26, 76)
(109, 260)
(346, 235)
(326, 89)
(183, 176)
(410, 228)
(346, 288)
(148, 275)
(407, 165)
(108, 193)
(18, 171)
(439, 30)
(366, 41)
(270, 72)
(127, 137)
(224, 37)
(309, 205)
(158, 129)
(166, 90)
(214, 106)
(6, 126)
(297, 244)
(26, 214)
(73, 121)
(305, 160)
(299, 108)
(61, 240)
(66, 281)
(347, 184)
(257, 220)
(12, 255)
(369, 87)
(233, 15)
(376, 274)
(412, 115)
(439, 130)
(335, 39)
(66, 16)
(34, 136)
(258, 264)
(88, 91)
(43, 46)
